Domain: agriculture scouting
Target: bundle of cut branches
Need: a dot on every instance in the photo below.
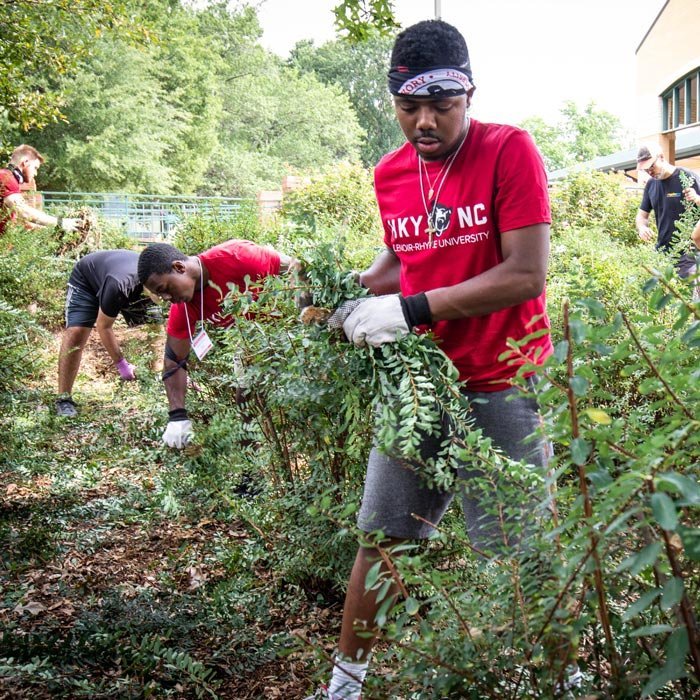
(87, 235)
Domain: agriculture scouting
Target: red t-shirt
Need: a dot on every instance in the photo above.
(496, 183)
(8, 186)
(228, 264)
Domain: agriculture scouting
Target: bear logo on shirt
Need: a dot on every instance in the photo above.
(440, 218)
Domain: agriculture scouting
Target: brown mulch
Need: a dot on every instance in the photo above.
(95, 558)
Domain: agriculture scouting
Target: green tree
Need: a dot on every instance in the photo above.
(200, 107)
(117, 137)
(359, 69)
(287, 123)
(579, 135)
(41, 42)
(549, 141)
(188, 73)
(147, 118)
(362, 19)
(591, 132)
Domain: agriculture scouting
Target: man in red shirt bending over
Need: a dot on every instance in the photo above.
(196, 285)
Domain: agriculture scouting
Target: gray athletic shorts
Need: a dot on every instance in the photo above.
(394, 492)
(81, 307)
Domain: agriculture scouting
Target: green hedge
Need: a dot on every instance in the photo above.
(591, 198)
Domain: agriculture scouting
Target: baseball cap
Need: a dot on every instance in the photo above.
(647, 154)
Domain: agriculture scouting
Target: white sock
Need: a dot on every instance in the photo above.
(347, 678)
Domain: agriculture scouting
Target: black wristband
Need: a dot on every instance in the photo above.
(416, 310)
(177, 414)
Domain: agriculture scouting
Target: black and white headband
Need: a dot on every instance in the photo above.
(436, 81)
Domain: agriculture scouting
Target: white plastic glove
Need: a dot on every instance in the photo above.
(375, 321)
(69, 224)
(178, 433)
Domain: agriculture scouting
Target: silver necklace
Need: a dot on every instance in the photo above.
(431, 187)
(439, 182)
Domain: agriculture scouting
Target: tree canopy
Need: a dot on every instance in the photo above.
(196, 106)
(359, 70)
(359, 20)
(176, 97)
(41, 42)
(579, 136)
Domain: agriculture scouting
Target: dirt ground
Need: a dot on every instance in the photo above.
(66, 554)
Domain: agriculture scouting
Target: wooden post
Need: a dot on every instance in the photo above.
(668, 146)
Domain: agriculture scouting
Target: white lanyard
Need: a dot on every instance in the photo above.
(201, 343)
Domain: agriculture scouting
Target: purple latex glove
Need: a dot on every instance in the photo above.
(126, 371)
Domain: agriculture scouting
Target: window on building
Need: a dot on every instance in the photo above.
(680, 102)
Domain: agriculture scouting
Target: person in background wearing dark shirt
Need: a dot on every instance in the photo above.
(102, 285)
(665, 194)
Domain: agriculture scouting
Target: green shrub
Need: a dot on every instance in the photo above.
(19, 336)
(339, 204)
(590, 198)
(32, 277)
(611, 575)
(199, 232)
(587, 262)
(619, 400)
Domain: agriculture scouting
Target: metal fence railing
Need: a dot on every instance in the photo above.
(145, 216)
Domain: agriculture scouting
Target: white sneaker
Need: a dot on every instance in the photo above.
(573, 680)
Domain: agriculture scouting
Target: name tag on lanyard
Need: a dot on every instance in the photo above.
(201, 344)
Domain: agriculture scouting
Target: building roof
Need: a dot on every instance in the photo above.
(651, 26)
(687, 147)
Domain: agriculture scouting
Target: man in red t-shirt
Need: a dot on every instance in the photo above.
(466, 218)
(196, 285)
(23, 167)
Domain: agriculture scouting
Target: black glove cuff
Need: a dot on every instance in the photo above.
(177, 414)
(416, 310)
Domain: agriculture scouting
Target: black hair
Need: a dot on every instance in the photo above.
(431, 42)
(157, 259)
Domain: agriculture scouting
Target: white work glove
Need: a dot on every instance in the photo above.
(376, 320)
(179, 430)
(68, 224)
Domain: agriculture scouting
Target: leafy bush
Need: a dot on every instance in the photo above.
(600, 575)
(587, 262)
(586, 199)
(199, 232)
(19, 336)
(32, 278)
(611, 573)
(338, 204)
